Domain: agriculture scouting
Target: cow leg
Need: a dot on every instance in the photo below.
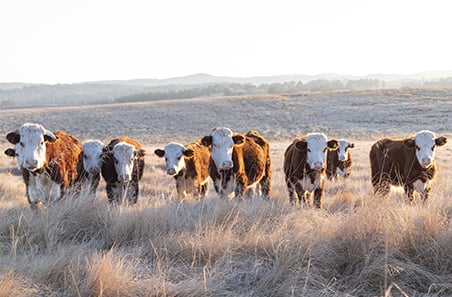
(265, 186)
(318, 194)
(240, 187)
(301, 193)
(110, 189)
(290, 189)
(409, 192)
(132, 192)
(94, 183)
(381, 185)
(202, 189)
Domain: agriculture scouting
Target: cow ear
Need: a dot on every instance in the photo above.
(140, 153)
(13, 137)
(238, 139)
(10, 152)
(49, 136)
(206, 140)
(352, 145)
(440, 141)
(301, 145)
(409, 142)
(159, 152)
(188, 153)
(333, 145)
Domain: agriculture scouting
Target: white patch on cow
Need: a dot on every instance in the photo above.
(316, 150)
(342, 151)
(41, 188)
(420, 186)
(222, 147)
(174, 158)
(425, 147)
(124, 157)
(31, 147)
(92, 156)
(308, 185)
(227, 190)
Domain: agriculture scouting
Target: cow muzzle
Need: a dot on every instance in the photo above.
(318, 166)
(31, 165)
(171, 171)
(226, 165)
(124, 178)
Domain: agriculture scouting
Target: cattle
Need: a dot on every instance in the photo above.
(409, 163)
(189, 165)
(92, 163)
(304, 167)
(51, 163)
(339, 162)
(238, 162)
(122, 169)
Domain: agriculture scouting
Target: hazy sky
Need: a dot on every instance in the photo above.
(59, 41)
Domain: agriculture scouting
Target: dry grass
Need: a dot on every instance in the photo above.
(357, 246)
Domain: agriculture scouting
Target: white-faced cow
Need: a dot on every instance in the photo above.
(304, 167)
(92, 163)
(239, 162)
(50, 162)
(122, 169)
(409, 163)
(189, 165)
(339, 162)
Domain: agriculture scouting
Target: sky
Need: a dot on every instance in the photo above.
(66, 41)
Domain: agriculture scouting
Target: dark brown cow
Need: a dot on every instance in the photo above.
(339, 162)
(304, 167)
(50, 162)
(189, 165)
(409, 163)
(122, 169)
(239, 162)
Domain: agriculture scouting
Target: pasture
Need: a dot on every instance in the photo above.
(357, 245)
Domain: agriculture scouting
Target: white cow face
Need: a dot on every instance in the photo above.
(344, 146)
(174, 154)
(92, 156)
(124, 156)
(316, 145)
(424, 143)
(30, 145)
(222, 142)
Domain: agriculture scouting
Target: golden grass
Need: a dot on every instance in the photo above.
(357, 245)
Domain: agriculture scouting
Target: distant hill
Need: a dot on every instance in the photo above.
(19, 94)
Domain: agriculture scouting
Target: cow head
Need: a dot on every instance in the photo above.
(344, 145)
(222, 142)
(124, 156)
(315, 146)
(92, 156)
(424, 143)
(30, 145)
(174, 154)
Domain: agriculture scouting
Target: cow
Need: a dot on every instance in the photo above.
(238, 162)
(409, 163)
(92, 163)
(189, 165)
(304, 167)
(122, 169)
(339, 162)
(51, 163)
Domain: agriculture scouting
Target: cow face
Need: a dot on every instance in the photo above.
(316, 145)
(92, 156)
(30, 145)
(124, 156)
(174, 154)
(425, 143)
(222, 142)
(344, 145)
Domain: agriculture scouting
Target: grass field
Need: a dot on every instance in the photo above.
(357, 245)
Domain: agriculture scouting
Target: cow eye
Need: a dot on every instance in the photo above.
(85, 157)
(309, 150)
(418, 148)
(22, 144)
(42, 143)
(433, 147)
(116, 160)
(324, 150)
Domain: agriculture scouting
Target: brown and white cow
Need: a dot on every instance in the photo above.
(92, 163)
(122, 169)
(409, 163)
(51, 163)
(189, 165)
(238, 162)
(304, 167)
(339, 162)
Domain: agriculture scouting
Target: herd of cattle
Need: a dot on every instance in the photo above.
(239, 164)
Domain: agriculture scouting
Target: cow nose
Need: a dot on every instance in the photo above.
(318, 165)
(31, 164)
(93, 170)
(226, 165)
(427, 161)
(171, 171)
(341, 158)
(124, 178)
